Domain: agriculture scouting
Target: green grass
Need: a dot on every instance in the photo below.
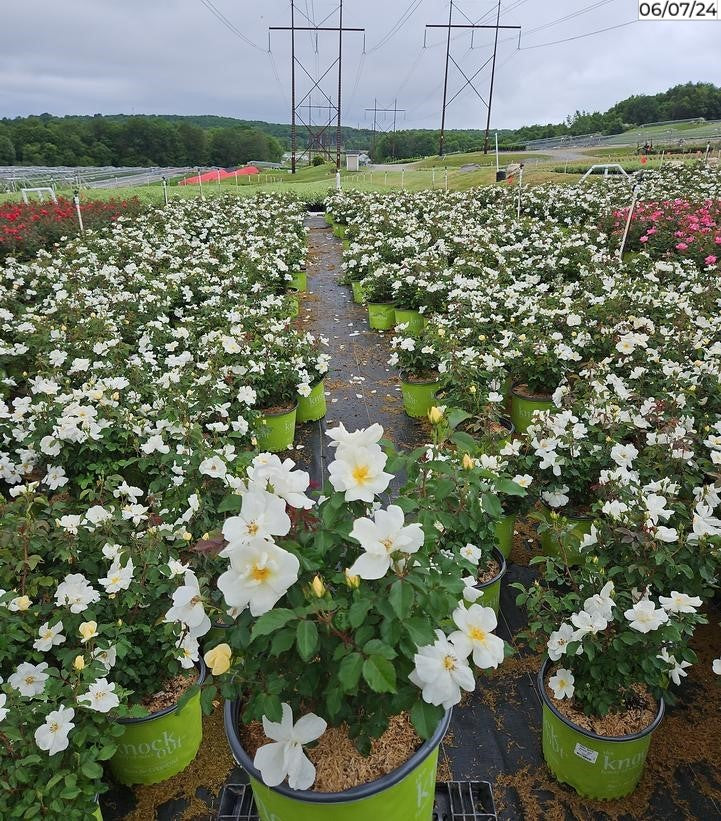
(478, 158)
(315, 182)
(667, 133)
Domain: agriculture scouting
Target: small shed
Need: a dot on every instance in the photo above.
(352, 161)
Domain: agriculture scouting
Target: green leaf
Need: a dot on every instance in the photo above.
(281, 642)
(401, 598)
(270, 622)
(231, 503)
(492, 506)
(378, 648)
(358, 612)
(464, 440)
(92, 770)
(419, 630)
(425, 718)
(349, 671)
(307, 639)
(379, 674)
(510, 488)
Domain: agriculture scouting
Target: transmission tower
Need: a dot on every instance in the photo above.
(316, 133)
(376, 125)
(469, 81)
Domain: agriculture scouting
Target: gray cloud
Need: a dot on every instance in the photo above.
(175, 57)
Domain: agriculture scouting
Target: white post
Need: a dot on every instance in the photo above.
(662, 153)
(218, 176)
(708, 148)
(236, 178)
(497, 165)
(337, 181)
(520, 186)
(433, 180)
(636, 189)
(403, 178)
(76, 200)
(165, 190)
(200, 183)
(371, 178)
(446, 177)
(385, 178)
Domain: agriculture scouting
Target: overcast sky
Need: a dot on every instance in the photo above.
(175, 57)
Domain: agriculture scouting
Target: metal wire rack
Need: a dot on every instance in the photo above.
(455, 801)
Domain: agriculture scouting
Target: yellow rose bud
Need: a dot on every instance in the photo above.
(468, 461)
(79, 663)
(116, 395)
(206, 536)
(187, 536)
(318, 588)
(472, 389)
(218, 659)
(482, 338)
(435, 415)
(88, 630)
(352, 581)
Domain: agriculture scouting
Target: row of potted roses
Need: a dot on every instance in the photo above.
(629, 439)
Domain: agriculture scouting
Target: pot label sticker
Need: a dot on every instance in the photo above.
(585, 753)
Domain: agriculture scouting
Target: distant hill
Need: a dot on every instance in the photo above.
(206, 139)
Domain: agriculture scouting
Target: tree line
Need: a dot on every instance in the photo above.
(130, 141)
(681, 102)
(169, 140)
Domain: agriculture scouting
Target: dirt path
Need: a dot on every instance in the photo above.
(361, 388)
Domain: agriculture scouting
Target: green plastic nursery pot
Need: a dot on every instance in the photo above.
(504, 534)
(551, 546)
(419, 397)
(160, 745)
(299, 281)
(381, 315)
(293, 302)
(414, 320)
(311, 408)
(276, 431)
(522, 409)
(357, 289)
(595, 766)
(406, 794)
(492, 589)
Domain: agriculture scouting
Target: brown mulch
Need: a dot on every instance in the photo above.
(339, 765)
(170, 692)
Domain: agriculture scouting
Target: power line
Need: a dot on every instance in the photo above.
(579, 36)
(398, 25)
(215, 11)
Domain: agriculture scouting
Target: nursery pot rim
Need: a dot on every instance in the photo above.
(405, 381)
(280, 412)
(202, 673)
(569, 516)
(501, 559)
(380, 304)
(231, 713)
(540, 683)
(537, 397)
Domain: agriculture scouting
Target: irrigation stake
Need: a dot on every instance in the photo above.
(520, 186)
(76, 200)
(636, 189)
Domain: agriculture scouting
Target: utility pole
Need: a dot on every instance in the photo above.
(493, 75)
(315, 133)
(469, 81)
(376, 128)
